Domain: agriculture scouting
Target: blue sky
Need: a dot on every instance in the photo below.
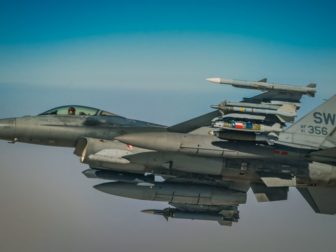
(149, 60)
(304, 23)
(169, 46)
(166, 45)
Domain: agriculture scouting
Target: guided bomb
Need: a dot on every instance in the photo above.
(222, 218)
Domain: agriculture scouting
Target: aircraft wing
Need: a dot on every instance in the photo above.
(194, 123)
(321, 199)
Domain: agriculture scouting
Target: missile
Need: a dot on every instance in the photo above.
(310, 89)
(175, 193)
(250, 105)
(179, 214)
(287, 110)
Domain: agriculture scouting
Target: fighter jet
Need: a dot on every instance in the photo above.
(202, 167)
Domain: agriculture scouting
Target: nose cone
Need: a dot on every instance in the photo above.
(117, 188)
(7, 129)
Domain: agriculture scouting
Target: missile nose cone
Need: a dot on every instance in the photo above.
(163, 213)
(7, 129)
(150, 211)
(214, 80)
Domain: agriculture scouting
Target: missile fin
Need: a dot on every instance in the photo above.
(263, 80)
(311, 85)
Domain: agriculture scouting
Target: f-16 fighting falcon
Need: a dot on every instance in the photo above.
(202, 167)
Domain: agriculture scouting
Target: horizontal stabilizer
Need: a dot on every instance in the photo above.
(324, 155)
(321, 199)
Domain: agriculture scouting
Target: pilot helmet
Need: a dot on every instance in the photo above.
(71, 111)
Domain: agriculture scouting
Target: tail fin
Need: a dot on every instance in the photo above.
(316, 129)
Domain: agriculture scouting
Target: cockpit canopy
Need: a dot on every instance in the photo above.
(76, 110)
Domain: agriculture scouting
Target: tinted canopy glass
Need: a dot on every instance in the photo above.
(76, 110)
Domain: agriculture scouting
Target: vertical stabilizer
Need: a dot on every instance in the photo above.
(316, 129)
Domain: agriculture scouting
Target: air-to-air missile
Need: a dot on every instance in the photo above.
(175, 193)
(263, 85)
(285, 111)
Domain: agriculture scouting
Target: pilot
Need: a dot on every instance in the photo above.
(71, 111)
